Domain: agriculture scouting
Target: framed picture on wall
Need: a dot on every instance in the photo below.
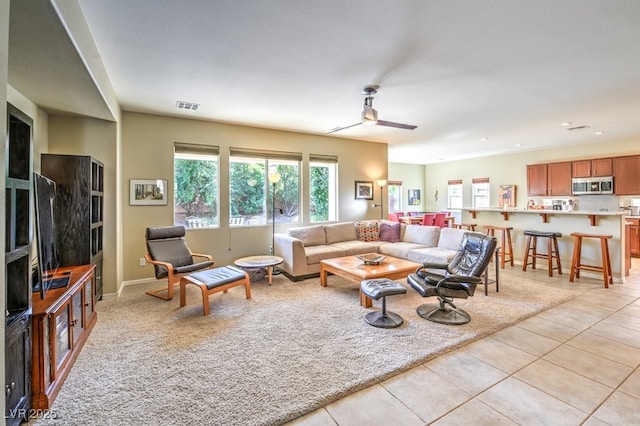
(507, 195)
(414, 197)
(148, 192)
(364, 190)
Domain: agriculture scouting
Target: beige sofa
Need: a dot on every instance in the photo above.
(303, 248)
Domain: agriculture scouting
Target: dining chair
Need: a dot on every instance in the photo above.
(439, 220)
(427, 219)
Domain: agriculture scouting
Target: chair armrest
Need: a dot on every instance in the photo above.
(432, 265)
(462, 279)
(167, 265)
(207, 256)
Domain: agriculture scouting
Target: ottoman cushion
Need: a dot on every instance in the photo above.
(380, 287)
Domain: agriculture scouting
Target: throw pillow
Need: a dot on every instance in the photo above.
(390, 233)
(368, 231)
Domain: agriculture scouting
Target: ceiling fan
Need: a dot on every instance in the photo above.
(370, 115)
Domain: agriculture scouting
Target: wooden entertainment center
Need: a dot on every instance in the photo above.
(61, 323)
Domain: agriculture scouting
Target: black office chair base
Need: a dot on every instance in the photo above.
(443, 315)
(383, 320)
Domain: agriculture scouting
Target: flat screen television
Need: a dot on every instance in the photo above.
(48, 259)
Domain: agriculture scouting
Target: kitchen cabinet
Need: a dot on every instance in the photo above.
(552, 179)
(634, 237)
(626, 175)
(62, 322)
(593, 168)
(537, 180)
(559, 179)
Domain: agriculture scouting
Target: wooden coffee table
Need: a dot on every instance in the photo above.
(353, 269)
(267, 262)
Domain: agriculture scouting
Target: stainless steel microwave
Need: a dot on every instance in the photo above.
(592, 186)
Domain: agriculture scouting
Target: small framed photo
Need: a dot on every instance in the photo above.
(414, 197)
(364, 190)
(148, 192)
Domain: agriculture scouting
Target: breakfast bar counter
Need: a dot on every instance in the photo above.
(563, 221)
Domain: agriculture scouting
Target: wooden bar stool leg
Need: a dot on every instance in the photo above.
(557, 253)
(606, 263)
(508, 232)
(550, 256)
(575, 260)
(535, 252)
(502, 248)
(526, 253)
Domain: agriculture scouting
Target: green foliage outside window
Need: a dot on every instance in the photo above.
(319, 193)
(246, 188)
(196, 188)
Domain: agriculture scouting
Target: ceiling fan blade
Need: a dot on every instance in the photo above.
(337, 129)
(397, 125)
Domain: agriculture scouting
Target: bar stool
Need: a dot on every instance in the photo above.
(468, 226)
(576, 264)
(551, 254)
(506, 248)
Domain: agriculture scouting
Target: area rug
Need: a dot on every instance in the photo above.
(291, 348)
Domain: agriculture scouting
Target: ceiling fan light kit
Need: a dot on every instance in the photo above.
(370, 115)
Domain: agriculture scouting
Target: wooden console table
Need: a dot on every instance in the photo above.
(61, 324)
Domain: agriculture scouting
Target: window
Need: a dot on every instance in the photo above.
(480, 191)
(454, 194)
(255, 178)
(196, 185)
(395, 196)
(323, 188)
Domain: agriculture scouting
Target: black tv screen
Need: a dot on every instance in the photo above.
(46, 240)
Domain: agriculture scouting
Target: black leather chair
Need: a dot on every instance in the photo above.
(458, 279)
(171, 258)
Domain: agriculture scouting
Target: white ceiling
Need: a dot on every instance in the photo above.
(464, 70)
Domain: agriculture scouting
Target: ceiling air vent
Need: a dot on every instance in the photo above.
(578, 127)
(187, 105)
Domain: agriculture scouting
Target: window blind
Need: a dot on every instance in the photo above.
(480, 180)
(455, 182)
(262, 153)
(319, 158)
(192, 148)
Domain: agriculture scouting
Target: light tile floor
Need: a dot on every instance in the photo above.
(574, 364)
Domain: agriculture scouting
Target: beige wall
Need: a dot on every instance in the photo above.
(148, 154)
(412, 177)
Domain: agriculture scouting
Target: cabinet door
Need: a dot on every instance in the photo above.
(559, 179)
(582, 168)
(602, 167)
(77, 314)
(88, 299)
(61, 336)
(537, 180)
(634, 238)
(626, 175)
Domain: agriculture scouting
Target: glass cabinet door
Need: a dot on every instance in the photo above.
(62, 337)
(88, 298)
(46, 349)
(76, 311)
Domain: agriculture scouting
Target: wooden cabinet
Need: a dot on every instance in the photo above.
(79, 202)
(626, 175)
(537, 180)
(559, 179)
(17, 277)
(634, 237)
(61, 324)
(551, 179)
(593, 168)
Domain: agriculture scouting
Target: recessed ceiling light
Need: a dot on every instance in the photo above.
(519, 145)
(566, 123)
(484, 139)
(599, 132)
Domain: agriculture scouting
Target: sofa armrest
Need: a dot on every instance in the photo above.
(292, 251)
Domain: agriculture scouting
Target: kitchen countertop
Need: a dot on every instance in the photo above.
(550, 211)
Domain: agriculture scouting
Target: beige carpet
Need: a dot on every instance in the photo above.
(292, 348)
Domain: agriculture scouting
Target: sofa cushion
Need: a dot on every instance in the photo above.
(351, 248)
(368, 231)
(400, 250)
(317, 253)
(425, 235)
(337, 232)
(451, 238)
(390, 232)
(309, 235)
(431, 255)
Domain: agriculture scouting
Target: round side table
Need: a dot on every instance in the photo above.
(267, 262)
